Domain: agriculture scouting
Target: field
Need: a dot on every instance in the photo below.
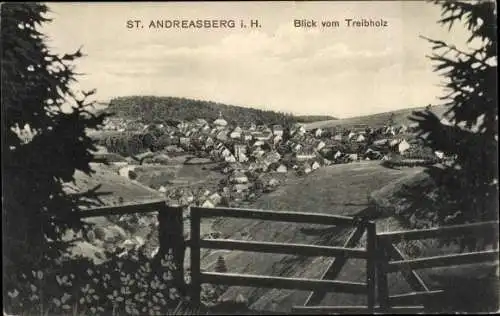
(179, 175)
(375, 120)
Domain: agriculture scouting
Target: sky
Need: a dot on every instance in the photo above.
(341, 71)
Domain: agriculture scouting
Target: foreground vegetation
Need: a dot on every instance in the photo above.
(469, 181)
(38, 278)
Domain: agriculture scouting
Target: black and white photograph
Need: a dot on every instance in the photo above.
(249, 157)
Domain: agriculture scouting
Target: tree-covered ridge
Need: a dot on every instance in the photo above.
(153, 108)
(313, 118)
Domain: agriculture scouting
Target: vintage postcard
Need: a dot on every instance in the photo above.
(282, 157)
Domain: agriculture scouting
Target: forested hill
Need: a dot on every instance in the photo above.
(314, 118)
(150, 109)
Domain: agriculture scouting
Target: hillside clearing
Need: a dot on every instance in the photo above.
(118, 189)
(375, 120)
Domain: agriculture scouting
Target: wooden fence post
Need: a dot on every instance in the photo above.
(383, 285)
(171, 239)
(371, 235)
(195, 256)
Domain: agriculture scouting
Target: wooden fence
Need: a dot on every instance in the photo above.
(391, 259)
(381, 256)
(318, 287)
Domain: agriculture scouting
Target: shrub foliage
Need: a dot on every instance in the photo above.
(470, 181)
(36, 95)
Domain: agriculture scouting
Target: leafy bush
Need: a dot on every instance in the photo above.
(132, 284)
(471, 97)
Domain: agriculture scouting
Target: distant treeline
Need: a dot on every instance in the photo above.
(152, 109)
(127, 144)
(314, 118)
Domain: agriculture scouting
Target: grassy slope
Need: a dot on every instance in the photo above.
(340, 189)
(374, 120)
(116, 185)
(117, 188)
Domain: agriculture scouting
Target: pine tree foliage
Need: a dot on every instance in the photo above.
(36, 87)
(470, 181)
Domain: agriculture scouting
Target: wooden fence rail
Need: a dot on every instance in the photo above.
(317, 286)
(442, 231)
(381, 255)
(282, 283)
(334, 268)
(283, 248)
(136, 208)
(293, 217)
(391, 259)
(443, 261)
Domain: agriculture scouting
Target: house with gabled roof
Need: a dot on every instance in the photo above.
(320, 145)
(305, 154)
(239, 176)
(185, 141)
(351, 135)
(389, 130)
(403, 146)
(225, 152)
(246, 136)
(258, 152)
(337, 155)
(258, 143)
(305, 168)
(380, 142)
(262, 135)
(361, 138)
(353, 157)
(220, 122)
(230, 158)
(394, 142)
(326, 162)
(278, 130)
(315, 165)
(209, 141)
(318, 132)
(271, 157)
(205, 128)
(282, 168)
(200, 122)
(236, 133)
(222, 135)
(207, 204)
(298, 130)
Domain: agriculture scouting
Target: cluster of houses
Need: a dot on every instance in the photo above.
(239, 186)
(254, 156)
(274, 148)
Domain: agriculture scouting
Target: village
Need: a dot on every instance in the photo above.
(255, 159)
